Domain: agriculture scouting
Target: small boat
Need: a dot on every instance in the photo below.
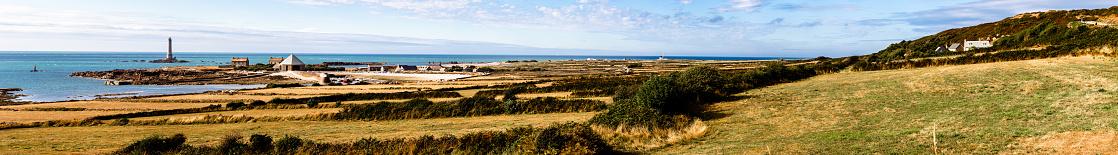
(36, 69)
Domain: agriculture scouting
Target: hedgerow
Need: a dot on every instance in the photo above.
(565, 138)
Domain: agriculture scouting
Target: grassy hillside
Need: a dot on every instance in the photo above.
(1045, 29)
(1062, 105)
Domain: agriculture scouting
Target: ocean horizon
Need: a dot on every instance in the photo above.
(55, 84)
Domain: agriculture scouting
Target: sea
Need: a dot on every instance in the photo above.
(53, 83)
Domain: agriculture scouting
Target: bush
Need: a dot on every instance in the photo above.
(312, 103)
(260, 143)
(631, 113)
(234, 105)
(569, 138)
(510, 94)
(154, 145)
(660, 93)
(625, 92)
(258, 103)
(704, 82)
(288, 144)
(230, 144)
(511, 106)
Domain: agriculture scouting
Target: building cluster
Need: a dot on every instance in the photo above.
(967, 45)
(292, 63)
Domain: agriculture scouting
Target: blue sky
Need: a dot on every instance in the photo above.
(740, 28)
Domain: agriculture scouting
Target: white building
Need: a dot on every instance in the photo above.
(976, 44)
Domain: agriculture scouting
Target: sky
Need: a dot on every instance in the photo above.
(732, 28)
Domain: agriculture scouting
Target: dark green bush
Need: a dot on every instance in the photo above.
(510, 93)
(662, 94)
(288, 144)
(230, 144)
(154, 145)
(311, 103)
(260, 143)
(258, 103)
(234, 105)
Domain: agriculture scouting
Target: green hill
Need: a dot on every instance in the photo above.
(1058, 29)
(1045, 106)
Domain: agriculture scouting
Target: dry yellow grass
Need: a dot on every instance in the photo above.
(1078, 142)
(102, 139)
(399, 100)
(640, 138)
(227, 97)
(328, 90)
(245, 113)
(603, 99)
(485, 82)
(556, 94)
(113, 105)
(976, 109)
(43, 116)
(470, 92)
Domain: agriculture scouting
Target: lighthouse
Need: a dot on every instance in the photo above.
(169, 56)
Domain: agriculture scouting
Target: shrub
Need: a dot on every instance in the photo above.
(569, 138)
(260, 143)
(631, 113)
(288, 144)
(311, 103)
(258, 103)
(625, 92)
(510, 94)
(511, 106)
(660, 93)
(154, 145)
(230, 144)
(234, 105)
(704, 82)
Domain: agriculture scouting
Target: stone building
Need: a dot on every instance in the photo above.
(291, 63)
(273, 61)
(239, 61)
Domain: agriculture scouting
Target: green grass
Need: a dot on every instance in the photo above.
(976, 109)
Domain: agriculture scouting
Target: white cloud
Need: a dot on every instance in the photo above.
(685, 1)
(114, 32)
(975, 13)
(594, 16)
(742, 5)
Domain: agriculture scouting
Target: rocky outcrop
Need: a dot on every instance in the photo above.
(157, 76)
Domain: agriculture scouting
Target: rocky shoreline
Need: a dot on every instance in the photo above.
(184, 77)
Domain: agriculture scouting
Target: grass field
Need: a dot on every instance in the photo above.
(103, 139)
(248, 113)
(42, 116)
(1060, 106)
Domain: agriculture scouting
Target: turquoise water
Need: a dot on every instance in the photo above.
(54, 83)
